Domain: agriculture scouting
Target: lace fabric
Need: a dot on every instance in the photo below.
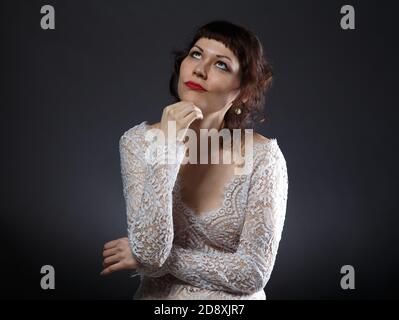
(227, 253)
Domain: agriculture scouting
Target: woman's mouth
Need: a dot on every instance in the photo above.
(194, 86)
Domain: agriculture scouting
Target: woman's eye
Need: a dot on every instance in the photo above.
(225, 65)
(225, 68)
(195, 52)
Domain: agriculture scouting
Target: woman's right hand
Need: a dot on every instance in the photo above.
(118, 256)
(183, 113)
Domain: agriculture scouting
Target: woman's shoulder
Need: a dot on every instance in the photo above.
(156, 125)
(139, 129)
(260, 139)
(266, 148)
(133, 137)
(262, 143)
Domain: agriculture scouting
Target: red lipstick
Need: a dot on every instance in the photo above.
(194, 86)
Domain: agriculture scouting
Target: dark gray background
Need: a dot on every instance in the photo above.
(68, 95)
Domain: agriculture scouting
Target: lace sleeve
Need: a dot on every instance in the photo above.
(249, 268)
(148, 181)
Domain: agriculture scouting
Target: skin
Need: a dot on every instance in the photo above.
(218, 75)
(202, 184)
(117, 256)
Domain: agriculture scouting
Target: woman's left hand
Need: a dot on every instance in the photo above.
(118, 256)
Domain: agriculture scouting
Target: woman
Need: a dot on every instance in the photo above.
(200, 231)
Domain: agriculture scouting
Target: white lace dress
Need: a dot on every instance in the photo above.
(228, 253)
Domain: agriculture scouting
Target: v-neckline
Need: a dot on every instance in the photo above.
(203, 215)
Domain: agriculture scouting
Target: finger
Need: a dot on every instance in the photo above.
(111, 260)
(115, 267)
(186, 110)
(110, 252)
(107, 265)
(111, 244)
(178, 107)
(196, 112)
(192, 116)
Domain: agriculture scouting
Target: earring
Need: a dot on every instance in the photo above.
(237, 111)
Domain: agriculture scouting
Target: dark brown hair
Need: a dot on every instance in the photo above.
(255, 77)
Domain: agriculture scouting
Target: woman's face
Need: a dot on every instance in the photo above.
(215, 67)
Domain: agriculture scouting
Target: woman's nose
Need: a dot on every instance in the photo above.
(200, 71)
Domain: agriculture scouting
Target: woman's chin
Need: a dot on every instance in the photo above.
(194, 99)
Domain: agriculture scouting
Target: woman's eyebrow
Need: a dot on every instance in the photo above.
(218, 55)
